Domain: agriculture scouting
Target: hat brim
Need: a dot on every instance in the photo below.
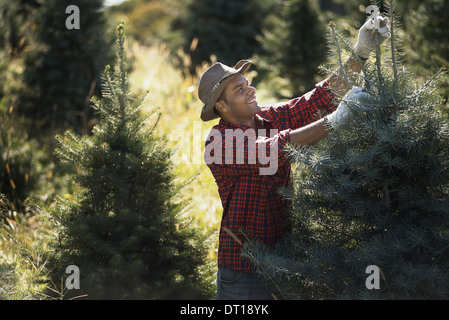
(207, 113)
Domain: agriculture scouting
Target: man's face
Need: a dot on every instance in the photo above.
(241, 99)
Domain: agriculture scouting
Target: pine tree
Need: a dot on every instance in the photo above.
(122, 228)
(16, 19)
(25, 167)
(374, 193)
(428, 41)
(224, 28)
(62, 67)
(294, 44)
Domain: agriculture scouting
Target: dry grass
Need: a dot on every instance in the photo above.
(174, 94)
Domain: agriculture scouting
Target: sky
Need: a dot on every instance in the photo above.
(112, 2)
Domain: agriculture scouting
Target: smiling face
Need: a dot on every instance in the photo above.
(239, 104)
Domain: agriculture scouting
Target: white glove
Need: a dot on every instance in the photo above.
(343, 111)
(366, 41)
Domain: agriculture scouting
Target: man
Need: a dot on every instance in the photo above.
(238, 144)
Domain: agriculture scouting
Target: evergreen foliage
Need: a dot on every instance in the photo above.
(428, 42)
(224, 28)
(153, 22)
(62, 67)
(15, 18)
(122, 227)
(294, 44)
(24, 164)
(15, 21)
(375, 192)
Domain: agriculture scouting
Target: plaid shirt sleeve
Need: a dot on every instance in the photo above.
(303, 110)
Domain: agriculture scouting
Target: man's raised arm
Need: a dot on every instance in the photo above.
(366, 43)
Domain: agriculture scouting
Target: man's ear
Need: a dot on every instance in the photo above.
(221, 106)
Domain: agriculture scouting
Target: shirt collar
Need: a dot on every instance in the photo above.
(261, 123)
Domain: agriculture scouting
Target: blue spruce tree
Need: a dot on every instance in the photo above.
(374, 193)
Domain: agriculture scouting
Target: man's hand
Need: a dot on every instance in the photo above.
(339, 116)
(366, 41)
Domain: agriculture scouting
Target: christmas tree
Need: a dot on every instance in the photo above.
(222, 28)
(294, 44)
(62, 66)
(370, 203)
(122, 228)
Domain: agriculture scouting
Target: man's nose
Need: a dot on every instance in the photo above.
(251, 89)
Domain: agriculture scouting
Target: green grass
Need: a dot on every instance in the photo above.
(23, 247)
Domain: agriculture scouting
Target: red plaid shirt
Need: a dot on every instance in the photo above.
(252, 206)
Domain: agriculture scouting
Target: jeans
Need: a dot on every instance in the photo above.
(236, 285)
